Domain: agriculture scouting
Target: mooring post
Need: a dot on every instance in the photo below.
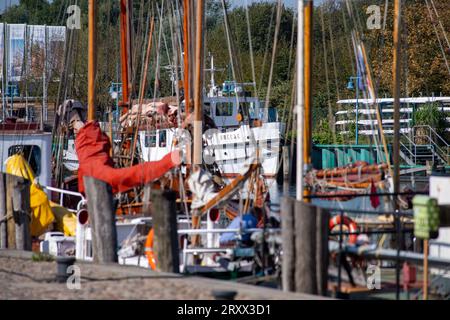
(18, 207)
(102, 217)
(322, 254)
(165, 225)
(288, 237)
(10, 225)
(3, 235)
(305, 248)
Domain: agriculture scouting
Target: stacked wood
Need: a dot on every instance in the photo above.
(359, 175)
(359, 167)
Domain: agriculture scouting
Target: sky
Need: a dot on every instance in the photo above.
(6, 3)
(290, 3)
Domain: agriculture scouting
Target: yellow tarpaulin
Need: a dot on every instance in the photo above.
(44, 212)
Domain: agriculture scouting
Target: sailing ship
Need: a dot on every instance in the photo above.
(231, 142)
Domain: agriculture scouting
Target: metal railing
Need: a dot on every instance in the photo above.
(412, 149)
(438, 147)
(441, 147)
(63, 192)
(398, 229)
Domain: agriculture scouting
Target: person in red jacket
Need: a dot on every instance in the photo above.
(93, 151)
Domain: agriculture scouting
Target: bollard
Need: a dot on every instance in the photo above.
(224, 294)
(62, 263)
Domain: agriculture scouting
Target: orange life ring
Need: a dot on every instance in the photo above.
(351, 225)
(149, 249)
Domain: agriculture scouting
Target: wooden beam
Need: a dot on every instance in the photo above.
(102, 218)
(124, 55)
(92, 59)
(18, 207)
(198, 93)
(186, 87)
(229, 190)
(300, 99)
(396, 70)
(288, 236)
(143, 86)
(305, 248)
(10, 226)
(3, 235)
(307, 128)
(166, 236)
(322, 217)
(396, 147)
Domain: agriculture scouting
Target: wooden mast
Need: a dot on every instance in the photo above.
(143, 86)
(99, 194)
(396, 91)
(124, 55)
(307, 130)
(300, 99)
(198, 108)
(186, 8)
(92, 58)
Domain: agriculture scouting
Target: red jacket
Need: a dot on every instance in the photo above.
(93, 147)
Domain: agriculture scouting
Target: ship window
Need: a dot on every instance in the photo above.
(224, 109)
(272, 114)
(251, 107)
(31, 153)
(150, 140)
(162, 138)
(207, 108)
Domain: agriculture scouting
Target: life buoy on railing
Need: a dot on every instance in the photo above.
(349, 223)
(149, 249)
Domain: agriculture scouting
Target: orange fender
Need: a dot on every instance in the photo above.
(149, 249)
(351, 225)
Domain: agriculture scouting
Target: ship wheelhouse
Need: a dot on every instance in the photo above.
(33, 144)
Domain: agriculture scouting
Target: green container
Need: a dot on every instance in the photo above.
(328, 159)
(426, 217)
(367, 156)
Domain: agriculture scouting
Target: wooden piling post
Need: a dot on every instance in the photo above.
(3, 220)
(18, 207)
(288, 236)
(305, 248)
(165, 225)
(102, 217)
(322, 254)
(10, 226)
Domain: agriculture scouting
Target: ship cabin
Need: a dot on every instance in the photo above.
(228, 107)
(35, 145)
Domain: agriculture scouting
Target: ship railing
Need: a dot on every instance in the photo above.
(63, 192)
(211, 250)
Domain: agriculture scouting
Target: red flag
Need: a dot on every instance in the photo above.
(374, 199)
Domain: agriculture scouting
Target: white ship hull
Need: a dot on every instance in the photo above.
(231, 151)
